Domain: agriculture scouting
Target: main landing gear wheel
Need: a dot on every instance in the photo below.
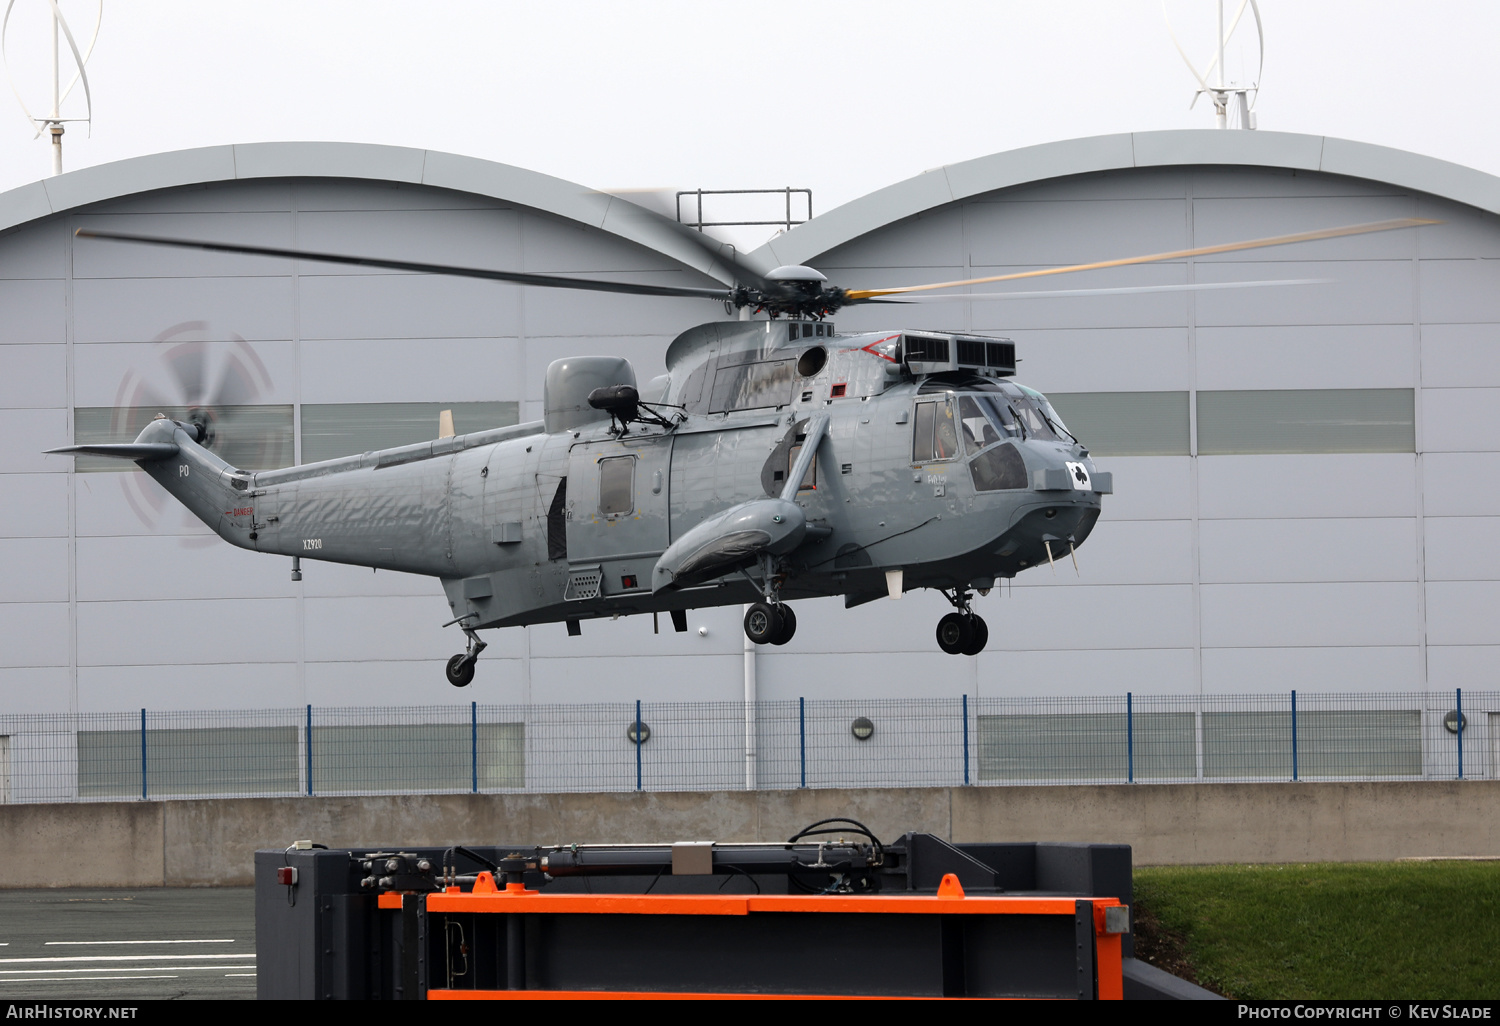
(766, 624)
(788, 625)
(460, 670)
(981, 635)
(955, 633)
(962, 634)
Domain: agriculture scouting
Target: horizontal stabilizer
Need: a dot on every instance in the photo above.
(123, 450)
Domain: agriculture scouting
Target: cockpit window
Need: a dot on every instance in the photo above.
(1054, 426)
(1056, 421)
(934, 432)
(986, 420)
(1032, 420)
(978, 431)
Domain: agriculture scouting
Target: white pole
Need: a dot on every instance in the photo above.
(55, 127)
(751, 732)
(1221, 44)
(1220, 109)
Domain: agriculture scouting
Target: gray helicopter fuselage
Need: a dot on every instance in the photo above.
(528, 525)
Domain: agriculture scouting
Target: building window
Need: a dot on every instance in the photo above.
(188, 761)
(347, 429)
(1086, 746)
(246, 437)
(1127, 423)
(1311, 420)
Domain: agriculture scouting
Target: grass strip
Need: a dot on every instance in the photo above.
(1405, 930)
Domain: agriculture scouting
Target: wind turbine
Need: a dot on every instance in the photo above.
(61, 31)
(1219, 90)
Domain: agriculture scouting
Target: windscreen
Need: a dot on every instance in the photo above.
(1037, 406)
(986, 420)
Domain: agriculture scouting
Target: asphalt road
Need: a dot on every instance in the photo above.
(118, 945)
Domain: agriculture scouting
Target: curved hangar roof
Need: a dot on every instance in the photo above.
(394, 164)
(955, 182)
(947, 184)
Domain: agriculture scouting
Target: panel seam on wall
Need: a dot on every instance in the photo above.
(72, 471)
(1419, 444)
(1192, 356)
(296, 313)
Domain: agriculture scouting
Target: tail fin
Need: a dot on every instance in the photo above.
(211, 489)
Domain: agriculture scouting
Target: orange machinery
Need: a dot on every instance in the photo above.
(512, 942)
(831, 912)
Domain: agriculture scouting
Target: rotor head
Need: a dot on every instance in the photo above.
(792, 290)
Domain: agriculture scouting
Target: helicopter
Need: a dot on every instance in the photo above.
(776, 460)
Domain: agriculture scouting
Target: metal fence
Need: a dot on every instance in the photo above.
(710, 746)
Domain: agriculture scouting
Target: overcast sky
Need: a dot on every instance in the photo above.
(839, 97)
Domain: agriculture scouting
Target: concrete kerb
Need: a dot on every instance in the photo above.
(211, 842)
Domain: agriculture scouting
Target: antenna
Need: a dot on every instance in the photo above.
(53, 122)
(1221, 92)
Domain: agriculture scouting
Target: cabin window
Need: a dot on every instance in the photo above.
(557, 523)
(750, 386)
(617, 486)
(934, 432)
(809, 479)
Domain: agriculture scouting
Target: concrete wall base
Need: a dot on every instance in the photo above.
(212, 842)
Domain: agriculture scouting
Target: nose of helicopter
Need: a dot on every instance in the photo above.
(1058, 512)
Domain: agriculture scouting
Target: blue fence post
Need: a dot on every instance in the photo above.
(309, 751)
(1294, 735)
(966, 740)
(802, 737)
(474, 742)
(637, 744)
(1459, 708)
(1129, 737)
(143, 755)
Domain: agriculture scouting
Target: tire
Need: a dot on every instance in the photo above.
(460, 671)
(954, 633)
(763, 623)
(788, 625)
(980, 632)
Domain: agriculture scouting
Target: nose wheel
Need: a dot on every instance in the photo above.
(769, 623)
(461, 667)
(460, 670)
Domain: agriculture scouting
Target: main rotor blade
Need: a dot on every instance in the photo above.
(657, 204)
(1226, 247)
(552, 281)
(1126, 290)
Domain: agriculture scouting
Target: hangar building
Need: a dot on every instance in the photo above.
(1307, 477)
